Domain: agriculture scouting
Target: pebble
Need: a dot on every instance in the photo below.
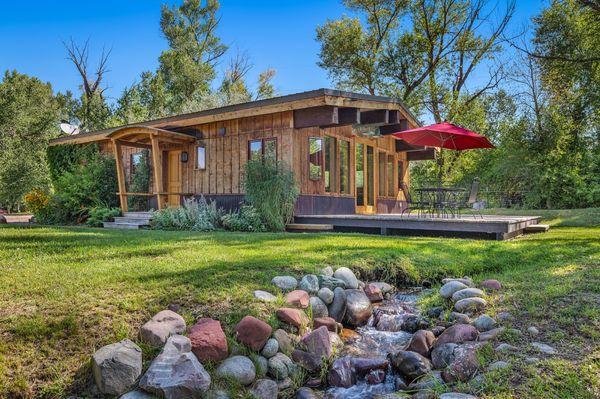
(499, 365)
(504, 347)
(544, 348)
(270, 349)
(264, 296)
(484, 323)
(450, 288)
(326, 295)
(533, 331)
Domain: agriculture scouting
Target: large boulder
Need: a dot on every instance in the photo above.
(208, 340)
(337, 309)
(238, 368)
(317, 343)
(467, 293)
(285, 283)
(293, 317)
(464, 365)
(116, 367)
(470, 304)
(443, 355)
(341, 373)
(331, 282)
(450, 288)
(347, 276)
(421, 342)
(410, 364)
(253, 332)
(326, 295)
(457, 334)
(176, 373)
(310, 284)
(358, 308)
(318, 307)
(161, 326)
(297, 299)
(264, 389)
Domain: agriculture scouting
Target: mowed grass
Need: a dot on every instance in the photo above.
(64, 292)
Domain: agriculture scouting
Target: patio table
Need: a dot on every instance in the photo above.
(440, 200)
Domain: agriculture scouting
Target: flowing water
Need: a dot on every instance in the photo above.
(372, 343)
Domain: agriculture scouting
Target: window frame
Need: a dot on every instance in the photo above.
(332, 166)
(196, 157)
(348, 145)
(262, 142)
(321, 159)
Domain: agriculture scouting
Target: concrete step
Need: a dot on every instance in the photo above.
(308, 227)
(127, 219)
(138, 215)
(537, 228)
(126, 226)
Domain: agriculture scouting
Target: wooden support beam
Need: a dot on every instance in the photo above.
(134, 144)
(421, 155)
(348, 116)
(403, 146)
(393, 128)
(120, 174)
(157, 166)
(394, 116)
(316, 116)
(377, 116)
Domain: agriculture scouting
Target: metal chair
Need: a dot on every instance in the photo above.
(468, 202)
(410, 204)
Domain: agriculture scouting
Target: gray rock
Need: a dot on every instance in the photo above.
(238, 368)
(162, 325)
(435, 312)
(460, 318)
(465, 364)
(318, 307)
(305, 393)
(310, 284)
(499, 365)
(137, 395)
(264, 389)
(467, 293)
(117, 366)
(337, 309)
(504, 347)
(336, 341)
(543, 348)
(176, 373)
(327, 271)
(280, 367)
(533, 331)
(262, 366)
(270, 349)
(385, 288)
(470, 304)
(484, 323)
(504, 317)
(443, 355)
(492, 334)
(456, 395)
(532, 360)
(326, 295)
(465, 280)
(285, 342)
(284, 384)
(331, 282)
(449, 288)
(264, 296)
(427, 382)
(346, 275)
(358, 308)
(410, 364)
(216, 394)
(285, 283)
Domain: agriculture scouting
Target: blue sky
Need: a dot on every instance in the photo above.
(275, 34)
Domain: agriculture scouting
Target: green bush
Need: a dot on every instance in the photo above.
(101, 214)
(272, 190)
(68, 157)
(194, 215)
(246, 218)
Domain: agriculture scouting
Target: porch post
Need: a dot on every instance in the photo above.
(157, 167)
(120, 174)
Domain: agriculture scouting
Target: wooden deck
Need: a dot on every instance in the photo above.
(490, 227)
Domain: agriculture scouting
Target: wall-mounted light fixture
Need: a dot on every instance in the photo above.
(222, 131)
(184, 156)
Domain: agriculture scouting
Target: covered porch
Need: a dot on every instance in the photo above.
(167, 151)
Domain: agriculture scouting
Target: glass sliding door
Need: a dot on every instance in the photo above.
(365, 181)
(360, 175)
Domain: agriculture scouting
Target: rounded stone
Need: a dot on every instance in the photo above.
(293, 317)
(443, 355)
(318, 307)
(297, 298)
(284, 341)
(457, 334)
(465, 280)
(253, 332)
(337, 309)
(499, 365)
(450, 288)
(279, 366)
(264, 296)
(262, 366)
(484, 323)
(305, 393)
(310, 284)
(270, 349)
(410, 364)
(285, 283)
(491, 285)
(327, 271)
(460, 318)
(358, 308)
(470, 304)
(467, 293)
(326, 295)
(533, 331)
(543, 348)
(239, 368)
(347, 276)
(264, 389)
(421, 342)
(456, 395)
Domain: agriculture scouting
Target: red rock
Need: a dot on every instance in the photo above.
(457, 334)
(293, 317)
(364, 365)
(341, 373)
(465, 364)
(491, 285)
(208, 340)
(297, 298)
(307, 360)
(373, 293)
(375, 377)
(317, 343)
(253, 332)
(328, 322)
(421, 342)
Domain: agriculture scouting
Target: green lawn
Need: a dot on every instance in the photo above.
(64, 292)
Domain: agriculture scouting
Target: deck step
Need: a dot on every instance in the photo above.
(127, 219)
(308, 227)
(125, 226)
(138, 215)
(537, 228)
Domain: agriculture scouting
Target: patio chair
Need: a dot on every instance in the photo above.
(411, 205)
(467, 202)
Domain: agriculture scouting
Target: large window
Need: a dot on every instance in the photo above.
(200, 157)
(344, 147)
(382, 173)
(315, 158)
(330, 164)
(400, 175)
(370, 176)
(390, 176)
(360, 175)
(262, 149)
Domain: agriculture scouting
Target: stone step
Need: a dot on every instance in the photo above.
(127, 219)
(138, 215)
(537, 228)
(308, 227)
(126, 226)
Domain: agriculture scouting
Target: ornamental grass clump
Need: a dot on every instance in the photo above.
(272, 190)
(196, 215)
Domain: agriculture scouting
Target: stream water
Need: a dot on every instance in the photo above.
(369, 342)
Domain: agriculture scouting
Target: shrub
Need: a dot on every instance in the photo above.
(101, 214)
(195, 215)
(272, 190)
(246, 218)
(68, 157)
(36, 201)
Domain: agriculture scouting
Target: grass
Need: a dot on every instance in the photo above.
(67, 291)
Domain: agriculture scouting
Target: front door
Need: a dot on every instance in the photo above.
(173, 179)
(365, 178)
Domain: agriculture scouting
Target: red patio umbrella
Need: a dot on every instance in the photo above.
(444, 135)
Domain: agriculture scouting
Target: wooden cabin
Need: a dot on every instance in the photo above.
(338, 144)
